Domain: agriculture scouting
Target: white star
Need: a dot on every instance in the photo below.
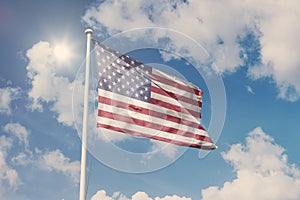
(118, 61)
(109, 86)
(113, 64)
(127, 92)
(136, 95)
(114, 73)
(123, 86)
(127, 65)
(98, 63)
(132, 80)
(104, 80)
(145, 97)
(132, 89)
(109, 77)
(114, 83)
(98, 53)
(141, 91)
(107, 57)
(103, 60)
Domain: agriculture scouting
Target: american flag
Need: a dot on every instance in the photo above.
(139, 100)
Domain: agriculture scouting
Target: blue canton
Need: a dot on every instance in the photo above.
(122, 74)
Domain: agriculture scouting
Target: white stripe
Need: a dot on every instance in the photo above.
(173, 78)
(175, 90)
(146, 105)
(147, 131)
(151, 119)
(182, 104)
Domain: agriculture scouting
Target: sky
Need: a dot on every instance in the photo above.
(244, 55)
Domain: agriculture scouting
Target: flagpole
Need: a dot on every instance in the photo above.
(82, 193)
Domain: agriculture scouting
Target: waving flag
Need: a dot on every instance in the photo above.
(139, 100)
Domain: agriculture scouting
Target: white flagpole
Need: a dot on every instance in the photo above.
(82, 193)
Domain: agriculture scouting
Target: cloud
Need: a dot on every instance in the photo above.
(50, 82)
(7, 95)
(9, 178)
(56, 161)
(101, 195)
(262, 169)
(249, 89)
(217, 25)
(19, 131)
(42, 159)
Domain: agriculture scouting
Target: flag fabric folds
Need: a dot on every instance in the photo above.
(139, 100)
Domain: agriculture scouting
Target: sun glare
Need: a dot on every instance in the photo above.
(62, 53)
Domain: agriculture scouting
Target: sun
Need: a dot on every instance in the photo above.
(62, 53)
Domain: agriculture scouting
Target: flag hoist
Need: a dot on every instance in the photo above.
(82, 192)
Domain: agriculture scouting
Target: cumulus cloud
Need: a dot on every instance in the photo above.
(7, 95)
(9, 178)
(217, 25)
(42, 159)
(262, 169)
(50, 82)
(19, 131)
(57, 161)
(101, 195)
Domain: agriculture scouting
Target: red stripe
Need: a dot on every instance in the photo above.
(175, 96)
(154, 126)
(149, 112)
(176, 84)
(174, 107)
(155, 137)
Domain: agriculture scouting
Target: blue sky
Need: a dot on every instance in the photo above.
(251, 103)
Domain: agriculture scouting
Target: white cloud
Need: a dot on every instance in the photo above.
(216, 25)
(101, 195)
(57, 161)
(9, 178)
(19, 131)
(7, 95)
(263, 171)
(50, 83)
(249, 89)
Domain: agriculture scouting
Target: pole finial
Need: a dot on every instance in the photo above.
(87, 31)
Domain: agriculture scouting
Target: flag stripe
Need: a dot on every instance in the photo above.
(150, 118)
(175, 107)
(158, 127)
(159, 76)
(146, 131)
(147, 111)
(203, 145)
(176, 96)
(133, 102)
(176, 90)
